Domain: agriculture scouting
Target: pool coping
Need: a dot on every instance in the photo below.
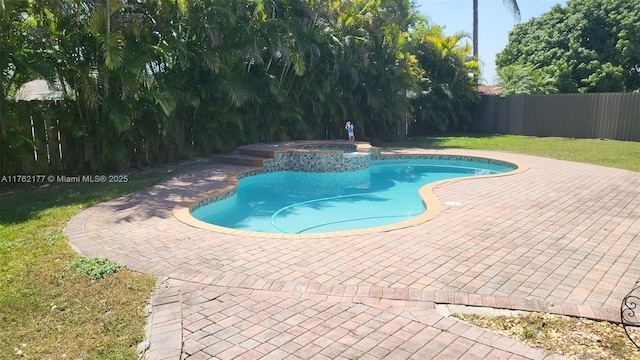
(434, 206)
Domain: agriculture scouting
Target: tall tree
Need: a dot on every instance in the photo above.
(587, 46)
(20, 61)
(512, 5)
(150, 81)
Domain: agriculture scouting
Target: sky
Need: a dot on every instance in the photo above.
(494, 23)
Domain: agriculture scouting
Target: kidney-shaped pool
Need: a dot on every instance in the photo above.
(289, 202)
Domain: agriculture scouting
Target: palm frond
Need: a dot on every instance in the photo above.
(113, 50)
(237, 91)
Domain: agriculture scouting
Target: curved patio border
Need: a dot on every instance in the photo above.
(561, 237)
(432, 204)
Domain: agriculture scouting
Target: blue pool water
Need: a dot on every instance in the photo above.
(300, 202)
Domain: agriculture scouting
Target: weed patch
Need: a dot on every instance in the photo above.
(570, 337)
(94, 268)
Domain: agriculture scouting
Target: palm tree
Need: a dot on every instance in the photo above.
(512, 5)
(447, 90)
(514, 79)
(523, 79)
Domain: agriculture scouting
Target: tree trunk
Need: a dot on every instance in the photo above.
(475, 28)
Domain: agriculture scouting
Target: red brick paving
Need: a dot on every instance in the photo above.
(560, 237)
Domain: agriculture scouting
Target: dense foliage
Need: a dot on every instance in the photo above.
(149, 81)
(524, 79)
(450, 71)
(587, 46)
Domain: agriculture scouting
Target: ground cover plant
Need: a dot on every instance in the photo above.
(95, 268)
(611, 153)
(47, 309)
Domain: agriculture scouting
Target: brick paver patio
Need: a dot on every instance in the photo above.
(561, 237)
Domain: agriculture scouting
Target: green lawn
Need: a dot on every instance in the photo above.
(612, 153)
(47, 311)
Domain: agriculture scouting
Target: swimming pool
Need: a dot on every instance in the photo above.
(289, 202)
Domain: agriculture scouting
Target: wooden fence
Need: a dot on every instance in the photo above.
(602, 115)
(31, 140)
(38, 137)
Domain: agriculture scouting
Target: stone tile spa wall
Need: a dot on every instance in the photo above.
(318, 161)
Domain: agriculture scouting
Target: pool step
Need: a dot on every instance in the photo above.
(241, 159)
(257, 151)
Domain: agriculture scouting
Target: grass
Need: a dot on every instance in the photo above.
(611, 153)
(47, 310)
